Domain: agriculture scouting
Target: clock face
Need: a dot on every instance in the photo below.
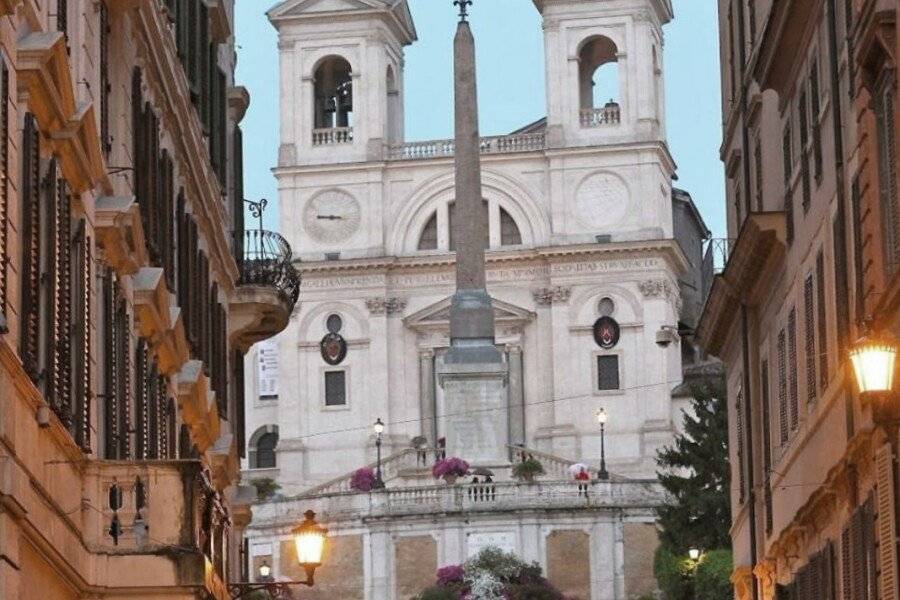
(332, 216)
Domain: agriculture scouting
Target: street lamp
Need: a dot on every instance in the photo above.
(694, 554)
(874, 361)
(378, 428)
(309, 541)
(602, 418)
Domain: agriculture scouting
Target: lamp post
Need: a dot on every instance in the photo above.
(602, 474)
(309, 542)
(378, 428)
(694, 554)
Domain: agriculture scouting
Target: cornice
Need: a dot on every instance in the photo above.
(668, 249)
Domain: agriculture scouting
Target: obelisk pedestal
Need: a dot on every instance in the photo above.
(475, 414)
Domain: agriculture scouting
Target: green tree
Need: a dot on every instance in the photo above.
(712, 577)
(695, 471)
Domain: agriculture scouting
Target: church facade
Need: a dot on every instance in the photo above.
(595, 267)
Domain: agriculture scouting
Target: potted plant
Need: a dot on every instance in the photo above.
(528, 469)
(266, 487)
(362, 480)
(449, 469)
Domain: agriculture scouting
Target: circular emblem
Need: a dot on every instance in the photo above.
(333, 348)
(602, 201)
(332, 216)
(606, 332)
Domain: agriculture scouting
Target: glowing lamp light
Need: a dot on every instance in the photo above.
(309, 540)
(265, 570)
(602, 417)
(694, 554)
(874, 362)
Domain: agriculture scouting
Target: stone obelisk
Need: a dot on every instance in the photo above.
(473, 376)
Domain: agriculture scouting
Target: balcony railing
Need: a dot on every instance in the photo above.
(504, 144)
(332, 135)
(598, 117)
(715, 257)
(265, 260)
(470, 497)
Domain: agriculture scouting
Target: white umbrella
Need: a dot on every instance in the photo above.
(578, 467)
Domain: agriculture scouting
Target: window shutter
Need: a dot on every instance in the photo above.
(822, 316)
(81, 358)
(810, 333)
(742, 476)
(788, 165)
(804, 151)
(767, 445)
(4, 191)
(237, 164)
(858, 269)
(110, 369)
(887, 173)
(816, 107)
(846, 565)
(239, 399)
(782, 388)
(841, 283)
(125, 389)
(758, 170)
(885, 469)
(31, 246)
(142, 397)
(792, 369)
(62, 17)
(105, 86)
(58, 346)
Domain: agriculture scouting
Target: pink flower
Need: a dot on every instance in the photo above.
(450, 574)
(450, 466)
(362, 480)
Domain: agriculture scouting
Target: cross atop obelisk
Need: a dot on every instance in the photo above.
(471, 314)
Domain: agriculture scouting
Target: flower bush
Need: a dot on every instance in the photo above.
(491, 575)
(450, 466)
(362, 480)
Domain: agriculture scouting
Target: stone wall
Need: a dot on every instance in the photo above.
(415, 564)
(569, 563)
(341, 573)
(641, 541)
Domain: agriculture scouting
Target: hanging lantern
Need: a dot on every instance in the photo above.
(309, 540)
(874, 361)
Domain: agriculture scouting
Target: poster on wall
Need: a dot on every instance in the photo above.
(267, 370)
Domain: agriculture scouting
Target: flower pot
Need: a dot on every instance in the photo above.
(450, 479)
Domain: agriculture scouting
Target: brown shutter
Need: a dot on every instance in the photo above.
(846, 565)
(742, 476)
(239, 398)
(81, 338)
(767, 445)
(782, 388)
(237, 165)
(142, 399)
(809, 312)
(758, 171)
(125, 392)
(31, 249)
(841, 283)
(4, 191)
(792, 369)
(111, 369)
(62, 17)
(885, 471)
(822, 317)
(858, 269)
(804, 153)
(815, 105)
(105, 86)
(788, 164)
(58, 279)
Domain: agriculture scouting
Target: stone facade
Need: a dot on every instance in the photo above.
(813, 463)
(121, 300)
(581, 224)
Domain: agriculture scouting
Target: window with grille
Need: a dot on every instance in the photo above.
(509, 231)
(265, 450)
(608, 372)
(429, 238)
(335, 388)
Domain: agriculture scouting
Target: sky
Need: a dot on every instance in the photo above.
(510, 56)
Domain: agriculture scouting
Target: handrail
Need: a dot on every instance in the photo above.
(389, 468)
(558, 464)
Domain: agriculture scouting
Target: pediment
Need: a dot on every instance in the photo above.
(398, 9)
(437, 315)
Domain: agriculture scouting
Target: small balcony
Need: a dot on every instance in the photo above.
(267, 289)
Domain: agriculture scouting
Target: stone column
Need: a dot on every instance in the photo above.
(516, 396)
(379, 576)
(604, 566)
(427, 406)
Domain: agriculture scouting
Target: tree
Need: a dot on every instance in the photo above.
(696, 473)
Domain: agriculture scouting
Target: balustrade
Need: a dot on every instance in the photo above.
(332, 135)
(598, 117)
(504, 144)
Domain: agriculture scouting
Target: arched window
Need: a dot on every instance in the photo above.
(599, 81)
(333, 93)
(393, 107)
(509, 231)
(263, 442)
(429, 238)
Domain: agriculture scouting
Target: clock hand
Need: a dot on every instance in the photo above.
(329, 217)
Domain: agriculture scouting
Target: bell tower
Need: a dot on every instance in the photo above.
(604, 70)
(341, 65)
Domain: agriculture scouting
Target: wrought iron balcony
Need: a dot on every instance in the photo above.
(268, 287)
